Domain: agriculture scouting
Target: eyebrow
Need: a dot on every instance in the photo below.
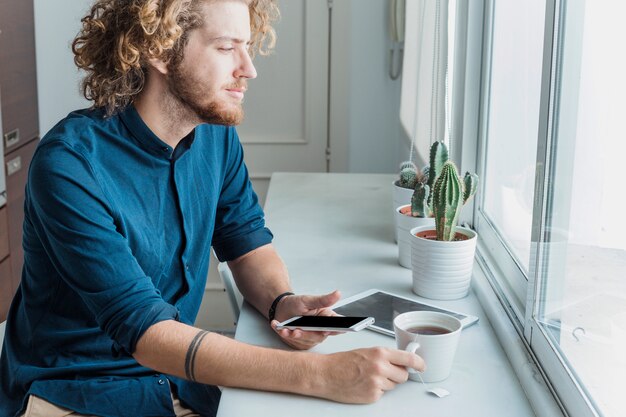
(229, 39)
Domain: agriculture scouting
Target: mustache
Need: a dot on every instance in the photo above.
(238, 85)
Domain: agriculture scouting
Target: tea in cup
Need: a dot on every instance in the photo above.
(432, 335)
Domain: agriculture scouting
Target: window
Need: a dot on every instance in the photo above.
(511, 117)
(552, 144)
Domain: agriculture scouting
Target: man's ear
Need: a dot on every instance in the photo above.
(158, 65)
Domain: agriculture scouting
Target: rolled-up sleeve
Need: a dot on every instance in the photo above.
(240, 222)
(76, 225)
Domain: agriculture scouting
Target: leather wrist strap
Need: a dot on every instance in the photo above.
(272, 311)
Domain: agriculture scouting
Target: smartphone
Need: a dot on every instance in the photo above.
(327, 323)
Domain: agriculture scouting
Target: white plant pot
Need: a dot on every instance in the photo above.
(404, 224)
(401, 196)
(442, 270)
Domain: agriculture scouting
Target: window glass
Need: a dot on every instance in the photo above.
(512, 124)
(583, 280)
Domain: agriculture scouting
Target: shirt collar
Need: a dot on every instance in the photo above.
(148, 140)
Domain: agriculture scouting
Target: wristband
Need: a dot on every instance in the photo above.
(272, 311)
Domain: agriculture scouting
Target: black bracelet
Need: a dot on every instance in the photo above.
(272, 312)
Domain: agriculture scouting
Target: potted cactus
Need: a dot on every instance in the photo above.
(442, 257)
(419, 211)
(403, 187)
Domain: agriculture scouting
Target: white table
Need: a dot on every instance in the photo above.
(335, 231)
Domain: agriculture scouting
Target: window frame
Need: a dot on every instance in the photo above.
(518, 293)
(492, 249)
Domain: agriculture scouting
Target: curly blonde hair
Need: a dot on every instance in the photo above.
(118, 37)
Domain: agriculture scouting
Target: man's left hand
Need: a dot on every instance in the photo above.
(304, 305)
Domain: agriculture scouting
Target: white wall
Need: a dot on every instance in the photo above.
(365, 101)
(56, 23)
(375, 97)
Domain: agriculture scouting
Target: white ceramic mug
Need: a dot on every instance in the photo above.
(437, 349)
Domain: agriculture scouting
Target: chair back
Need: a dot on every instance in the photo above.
(234, 296)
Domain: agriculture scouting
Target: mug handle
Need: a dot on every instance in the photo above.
(412, 347)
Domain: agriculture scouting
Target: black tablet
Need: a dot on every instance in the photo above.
(384, 307)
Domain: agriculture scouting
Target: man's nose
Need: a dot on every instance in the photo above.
(246, 69)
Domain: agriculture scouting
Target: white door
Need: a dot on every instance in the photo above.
(285, 124)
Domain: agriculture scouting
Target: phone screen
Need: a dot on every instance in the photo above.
(339, 322)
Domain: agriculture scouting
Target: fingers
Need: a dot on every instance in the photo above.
(327, 312)
(398, 374)
(300, 339)
(307, 305)
(314, 302)
(407, 360)
(388, 384)
(393, 366)
(362, 376)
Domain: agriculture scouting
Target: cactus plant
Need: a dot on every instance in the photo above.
(409, 175)
(444, 194)
(448, 197)
(419, 201)
(439, 191)
(408, 164)
(470, 182)
(438, 157)
(408, 178)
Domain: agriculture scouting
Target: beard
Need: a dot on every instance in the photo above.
(185, 89)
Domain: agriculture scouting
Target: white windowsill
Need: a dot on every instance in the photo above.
(530, 377)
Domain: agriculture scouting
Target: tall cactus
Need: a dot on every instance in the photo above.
(449, 196)
(447, 203)
(438, 157)
(421, 201)
(439, 191)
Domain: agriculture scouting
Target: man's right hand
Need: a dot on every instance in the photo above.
(362, 376)
(356, 376)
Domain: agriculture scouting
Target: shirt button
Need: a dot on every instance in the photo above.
(161, 381)
(187, 267)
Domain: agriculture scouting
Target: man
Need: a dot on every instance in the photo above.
(123, 204)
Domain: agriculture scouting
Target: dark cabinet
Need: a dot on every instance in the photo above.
(20, 132)
(18, 73)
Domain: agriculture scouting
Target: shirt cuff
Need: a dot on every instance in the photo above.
(234, 247)
(135, 325)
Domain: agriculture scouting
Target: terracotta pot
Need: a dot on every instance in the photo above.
(432, 235)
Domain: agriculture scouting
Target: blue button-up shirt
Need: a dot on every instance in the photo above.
(117, 235)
